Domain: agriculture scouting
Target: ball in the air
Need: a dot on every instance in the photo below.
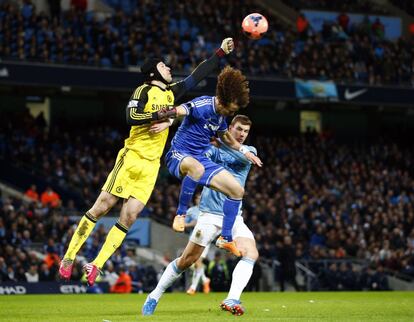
(255, 25)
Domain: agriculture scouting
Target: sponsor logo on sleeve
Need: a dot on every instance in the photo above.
(133, 103)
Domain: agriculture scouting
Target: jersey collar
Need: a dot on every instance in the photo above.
(214, 104)
(163, 89)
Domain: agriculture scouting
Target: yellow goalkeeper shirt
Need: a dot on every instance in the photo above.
(149, 146)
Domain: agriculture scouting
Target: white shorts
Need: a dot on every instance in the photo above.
(208, 228)
(204, 254)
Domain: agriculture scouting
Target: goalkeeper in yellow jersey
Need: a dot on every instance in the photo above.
(136, 168)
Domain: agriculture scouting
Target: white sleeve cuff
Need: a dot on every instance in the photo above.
(243, 149)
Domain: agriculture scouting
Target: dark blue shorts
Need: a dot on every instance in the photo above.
(173, 159)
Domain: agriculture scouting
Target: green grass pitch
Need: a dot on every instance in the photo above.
(350, 306)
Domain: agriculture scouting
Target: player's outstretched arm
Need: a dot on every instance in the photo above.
(237, 154)
(173, 111)
(229, 140)
(203, 69)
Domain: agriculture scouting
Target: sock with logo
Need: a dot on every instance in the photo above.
(81, 234)
(114, 239)
(230, 209)
(188, 186)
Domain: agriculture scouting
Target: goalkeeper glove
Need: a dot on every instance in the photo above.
(226, 47)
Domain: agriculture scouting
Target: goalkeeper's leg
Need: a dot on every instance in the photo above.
(129, 213)
(102, 205)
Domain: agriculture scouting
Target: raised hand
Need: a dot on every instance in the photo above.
(227, 45)
(253, 158)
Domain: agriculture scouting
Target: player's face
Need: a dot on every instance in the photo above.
(239, 131)
(165, 72)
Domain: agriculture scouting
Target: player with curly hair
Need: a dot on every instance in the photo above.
(205, 117)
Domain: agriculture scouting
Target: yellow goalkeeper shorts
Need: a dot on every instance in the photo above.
(132, 176)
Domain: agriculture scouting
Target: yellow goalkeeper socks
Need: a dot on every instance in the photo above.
(82, 232)
(114, 239)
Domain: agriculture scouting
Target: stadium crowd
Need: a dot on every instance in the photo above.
(185, 35)
(354, 6)
(33, 237)
(316, 198)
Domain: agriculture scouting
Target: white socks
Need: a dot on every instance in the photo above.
(170, 275)
(241, 276)
(198, 273)
(204, 278)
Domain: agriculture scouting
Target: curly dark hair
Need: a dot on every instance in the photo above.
(232, 87)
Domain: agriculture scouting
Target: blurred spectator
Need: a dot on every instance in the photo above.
(32, 275)
(2, 229)
(302, 26)
(123, 284)
(28, 9)
(378, 280)
(407, 267)
(3, 270)
(219, 273)
(32, 193)
(79, 5)
(343, 20)
(267, 251)
(50, 198)
(51, 260)
(149, 279)
(287, 269)
(110, 275)
(331, 277)
(347, 278)
(137, 280)
(378, 29)
(130, 258)
(54, 8)
(411, 29)
(40, 122)
(47, 274)
(318, 238)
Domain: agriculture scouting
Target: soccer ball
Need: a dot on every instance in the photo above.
(254, 25)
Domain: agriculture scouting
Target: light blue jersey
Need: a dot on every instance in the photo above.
(198, 127)
(234, 162)
(192, 214)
